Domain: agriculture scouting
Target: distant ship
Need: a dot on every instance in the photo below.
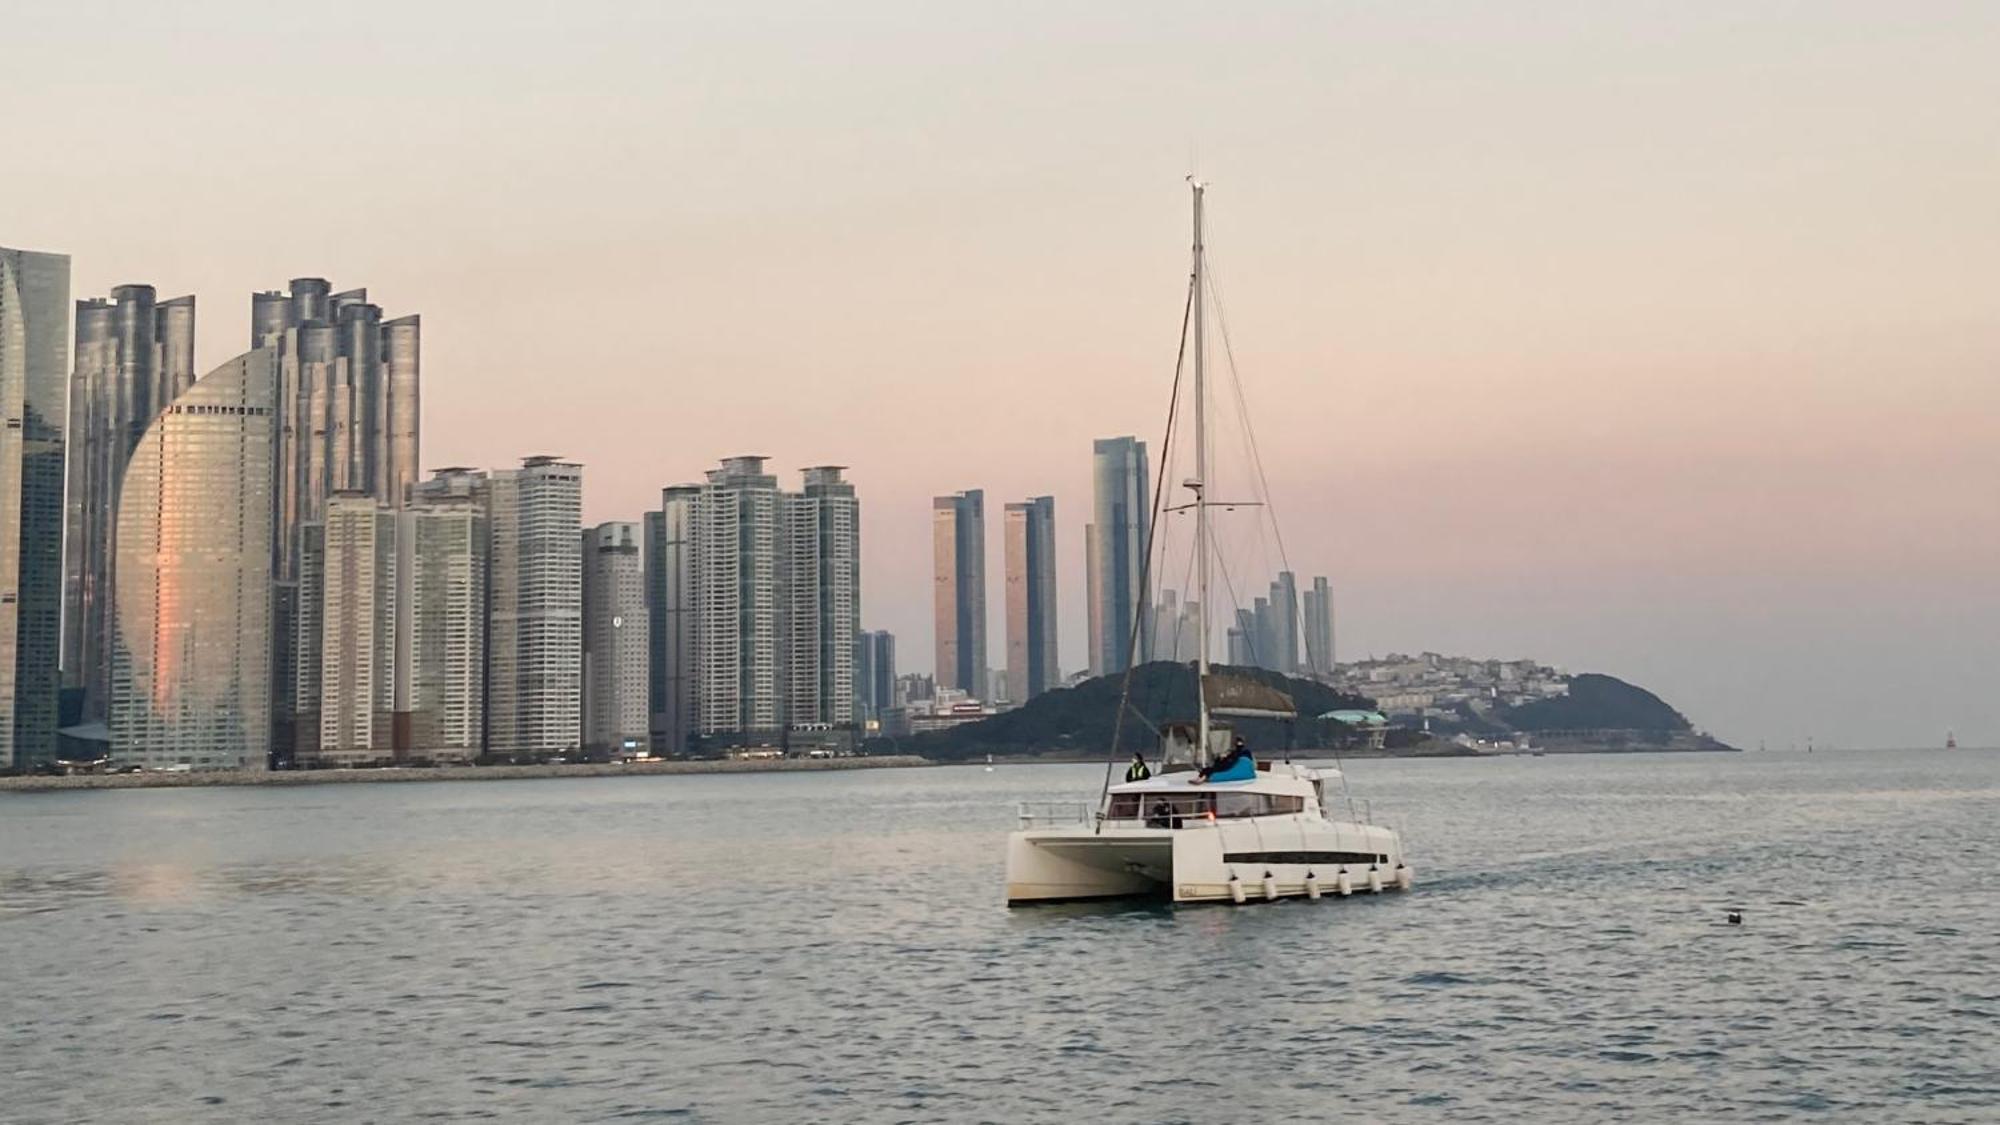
(1951, 740)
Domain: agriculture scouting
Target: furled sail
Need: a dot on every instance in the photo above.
(1245, 698)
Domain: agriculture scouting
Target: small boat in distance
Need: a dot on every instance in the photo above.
(1207, 822)
(1951, 740)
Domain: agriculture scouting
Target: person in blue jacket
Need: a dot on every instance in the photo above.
(1237, 765)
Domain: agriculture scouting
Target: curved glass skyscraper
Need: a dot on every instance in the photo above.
(191, 641)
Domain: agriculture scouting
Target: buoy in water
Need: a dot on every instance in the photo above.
(1312, 886)
(1235, 888)
(1374, 880)
(1734, 917)
(1270, 887)
(1343, 884)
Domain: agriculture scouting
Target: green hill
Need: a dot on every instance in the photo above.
(1597, 702)
(1079, 720)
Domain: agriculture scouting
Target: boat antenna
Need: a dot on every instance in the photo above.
(1200, 482)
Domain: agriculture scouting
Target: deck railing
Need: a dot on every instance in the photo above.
(1055, 814)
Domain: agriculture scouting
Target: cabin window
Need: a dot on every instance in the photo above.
(1124, 806)
(1232, 806)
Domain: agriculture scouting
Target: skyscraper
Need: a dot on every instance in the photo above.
(875, 673)
(671, 618)
(615, 639)
(34, 346)
(191, 639)
(822, 597)
(134, 356)
(1174, 628)
(1284, 655)
(441, 552)
(1117, 554)
(1318, 612)
(346, 636)
(534, 654)
(347, 419)
(736, 599)
(958, 549)
(1031, 598)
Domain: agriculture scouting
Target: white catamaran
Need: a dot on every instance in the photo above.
(1208, 824)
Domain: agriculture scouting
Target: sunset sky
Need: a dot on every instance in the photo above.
(1658, 339)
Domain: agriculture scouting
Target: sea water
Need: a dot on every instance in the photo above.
(807, 947)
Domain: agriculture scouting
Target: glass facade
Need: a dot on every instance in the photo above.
(1031, 598)
(34, 357)
(958, 550)
(134, 356)
(1117, 554)
(191, 643)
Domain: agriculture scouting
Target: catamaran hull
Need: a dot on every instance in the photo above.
(1217, 863)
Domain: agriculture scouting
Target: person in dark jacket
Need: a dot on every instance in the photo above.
(1237, 765)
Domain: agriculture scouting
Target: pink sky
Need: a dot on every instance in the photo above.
(1654, 339)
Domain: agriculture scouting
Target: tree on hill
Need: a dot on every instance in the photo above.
(1597, 702)
(1081, 719)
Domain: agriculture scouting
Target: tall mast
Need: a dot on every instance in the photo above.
(1200, 484)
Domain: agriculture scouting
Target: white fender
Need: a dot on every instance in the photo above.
(1235, 888)
(1405, 878)
(1343, 883)
(1312, 885)
(1374, 880)
(1270, 887)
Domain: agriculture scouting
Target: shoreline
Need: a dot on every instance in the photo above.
(448, 773)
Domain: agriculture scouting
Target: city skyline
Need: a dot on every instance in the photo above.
(1641, 341)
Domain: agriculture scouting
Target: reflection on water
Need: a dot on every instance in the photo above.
(833, 947)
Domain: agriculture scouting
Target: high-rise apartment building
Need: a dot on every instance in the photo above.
(1284, 655)
(822, 595)
(1117, 554)
(191, 639)
(1175, 629)
(615, 639)
(534, 646)
(958, 549)
(441, 549)
(737, 576)
(1318, 614)
(347, 634)
(34, 347)
(1031, 598)
(671, 617)
(347, 419)
(875, 673)
(134, 356)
